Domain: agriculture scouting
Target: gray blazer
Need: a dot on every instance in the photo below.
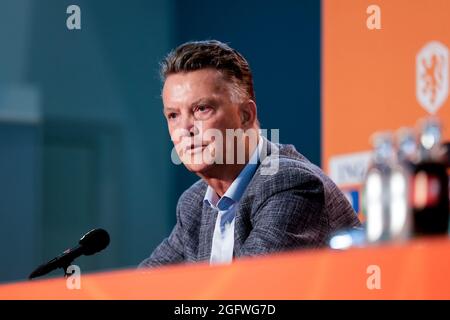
(297, 207)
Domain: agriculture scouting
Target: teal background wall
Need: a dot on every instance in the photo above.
(83, 142)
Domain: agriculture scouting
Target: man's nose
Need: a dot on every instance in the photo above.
(188, 125)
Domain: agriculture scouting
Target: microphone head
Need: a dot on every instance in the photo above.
(94, 241)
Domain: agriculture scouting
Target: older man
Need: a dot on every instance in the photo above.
(254, 196)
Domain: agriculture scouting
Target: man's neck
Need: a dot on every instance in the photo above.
(221, 180)
(222, 176)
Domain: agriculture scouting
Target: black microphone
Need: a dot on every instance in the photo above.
(92, 242)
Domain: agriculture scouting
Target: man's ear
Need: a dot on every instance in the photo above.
(248, 113)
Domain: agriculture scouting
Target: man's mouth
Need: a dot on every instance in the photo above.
(194, 148)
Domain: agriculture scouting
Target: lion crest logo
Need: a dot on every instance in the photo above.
(432, 76)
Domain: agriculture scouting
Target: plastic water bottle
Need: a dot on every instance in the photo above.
(400, 209)
(376, 188)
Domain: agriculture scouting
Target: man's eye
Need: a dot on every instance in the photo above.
(203, 108)
(171, 115)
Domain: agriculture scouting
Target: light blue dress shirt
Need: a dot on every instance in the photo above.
(223, 237)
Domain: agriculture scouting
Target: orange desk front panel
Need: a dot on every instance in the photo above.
(417, 270)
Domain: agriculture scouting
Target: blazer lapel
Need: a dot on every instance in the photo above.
(243, 225)
(208, 222)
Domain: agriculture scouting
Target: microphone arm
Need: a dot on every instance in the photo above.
(91, 243)
(62, 261)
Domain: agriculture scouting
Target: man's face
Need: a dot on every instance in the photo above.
(195, 103)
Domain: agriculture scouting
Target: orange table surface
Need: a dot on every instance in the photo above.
(415, 270)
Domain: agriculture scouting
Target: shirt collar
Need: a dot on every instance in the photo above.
(237, 188)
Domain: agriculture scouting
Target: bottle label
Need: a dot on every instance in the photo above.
(426, 189)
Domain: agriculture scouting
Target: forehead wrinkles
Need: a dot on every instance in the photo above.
(180, 87)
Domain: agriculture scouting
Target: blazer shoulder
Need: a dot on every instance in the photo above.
(286, 166)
